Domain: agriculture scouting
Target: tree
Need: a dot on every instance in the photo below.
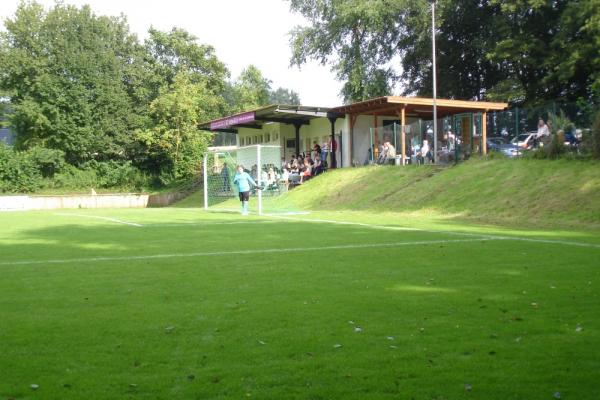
(173, 146)
(551, 48)
(465, 32)
(251, 90)
(66, 73)
(284, 96)
(177, 50)
(355, 37)
(526, 51)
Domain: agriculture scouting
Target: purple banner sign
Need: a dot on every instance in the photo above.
(233, 120)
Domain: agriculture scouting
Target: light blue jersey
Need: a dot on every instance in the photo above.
(243, 181)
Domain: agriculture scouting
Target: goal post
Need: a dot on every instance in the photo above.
(261, 162)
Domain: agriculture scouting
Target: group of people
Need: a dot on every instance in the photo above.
(304, 166)
(387, 153)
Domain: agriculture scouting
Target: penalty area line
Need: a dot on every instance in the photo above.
(240, 252)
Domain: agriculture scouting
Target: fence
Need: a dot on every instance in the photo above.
(460, 136)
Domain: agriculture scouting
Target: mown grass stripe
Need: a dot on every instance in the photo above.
(237, 252)
(401, 228)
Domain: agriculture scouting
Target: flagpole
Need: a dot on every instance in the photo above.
(435, 142)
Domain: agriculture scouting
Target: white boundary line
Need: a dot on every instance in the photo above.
(250, 222)
(118, 221)
(480, 235)
(239, 252)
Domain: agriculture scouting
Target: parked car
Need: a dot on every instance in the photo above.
(511, 150)
(495, 143)
(500, 145)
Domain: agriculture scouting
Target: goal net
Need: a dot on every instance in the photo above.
(262, 163)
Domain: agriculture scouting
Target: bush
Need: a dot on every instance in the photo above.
(556, 148)
(105, 174)
(34, 169)
(496, 155)
(48, 161)
(72, 177)
(114, 174)
(19, 172)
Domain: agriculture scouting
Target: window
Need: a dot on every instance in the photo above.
(267, 137)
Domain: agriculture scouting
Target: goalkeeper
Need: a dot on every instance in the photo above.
(243, 181)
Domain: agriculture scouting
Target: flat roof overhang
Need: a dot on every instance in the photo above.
(417, 107)
(256, 119)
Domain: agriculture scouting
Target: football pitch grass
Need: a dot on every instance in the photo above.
(184, 304)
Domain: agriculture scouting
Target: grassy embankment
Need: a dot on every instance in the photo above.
(505, 192)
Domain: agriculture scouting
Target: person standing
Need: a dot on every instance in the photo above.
(324, 151)
(542, 132)
(244, 182)
(391, 153)
(425, 153)
(332, 151)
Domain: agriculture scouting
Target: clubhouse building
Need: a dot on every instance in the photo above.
(359, 130)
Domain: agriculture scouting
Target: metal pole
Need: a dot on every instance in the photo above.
(395, 137)
(205, 172)
(258, 179)
(434, 84)
(372, 152)
(517, 128)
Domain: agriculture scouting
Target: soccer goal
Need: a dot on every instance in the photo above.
(263, 163)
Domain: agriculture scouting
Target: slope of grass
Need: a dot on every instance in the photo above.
(525, 192)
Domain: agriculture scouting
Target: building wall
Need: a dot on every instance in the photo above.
(269, 135)
(318, 130)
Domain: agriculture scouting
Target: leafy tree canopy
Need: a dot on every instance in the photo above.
(526, 51)
(177, 50)
(66, 73)
(284, 96)
(251, 90)
(356, 37)
(173, 146)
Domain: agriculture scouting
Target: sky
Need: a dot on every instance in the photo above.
(243, 32)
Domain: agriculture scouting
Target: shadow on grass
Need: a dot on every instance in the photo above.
(97, 239)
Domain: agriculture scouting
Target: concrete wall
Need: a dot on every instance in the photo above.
(14, 203)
